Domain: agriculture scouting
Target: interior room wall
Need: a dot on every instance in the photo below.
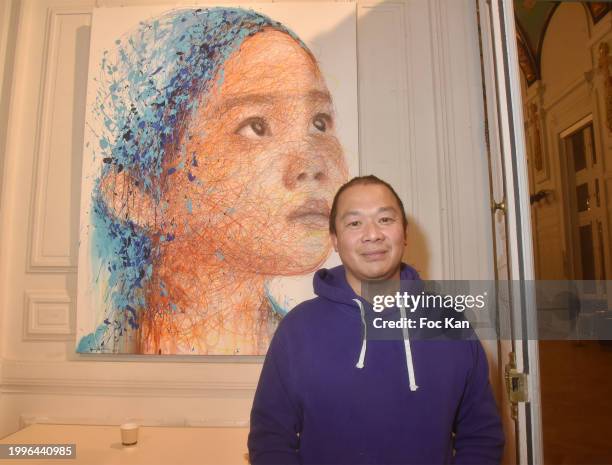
(8, 12)
(571, 87)
(421, 127)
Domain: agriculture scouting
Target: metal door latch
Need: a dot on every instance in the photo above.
(516, 385)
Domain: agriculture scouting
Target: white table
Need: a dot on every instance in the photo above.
(101, 445)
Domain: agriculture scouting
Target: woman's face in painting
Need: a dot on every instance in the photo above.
(261, 161)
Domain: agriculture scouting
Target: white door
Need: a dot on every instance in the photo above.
(511, 217)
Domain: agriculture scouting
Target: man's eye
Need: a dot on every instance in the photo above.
(387, 220)
(253, 128)
(354, 224)
(322, 122)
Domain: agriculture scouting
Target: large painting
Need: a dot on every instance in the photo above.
(215, 140)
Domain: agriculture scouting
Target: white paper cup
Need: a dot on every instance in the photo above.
(129, 434)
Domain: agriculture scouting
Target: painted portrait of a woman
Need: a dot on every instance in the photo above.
(217, 158)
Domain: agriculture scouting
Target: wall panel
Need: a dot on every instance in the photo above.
(54, 230)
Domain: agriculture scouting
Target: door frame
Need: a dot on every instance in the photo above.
(509, 165)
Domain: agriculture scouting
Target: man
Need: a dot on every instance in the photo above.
(329, 396)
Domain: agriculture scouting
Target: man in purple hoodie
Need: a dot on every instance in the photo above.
(328, 395)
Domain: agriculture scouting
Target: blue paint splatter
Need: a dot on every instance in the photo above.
(276, 307)
(149, 85)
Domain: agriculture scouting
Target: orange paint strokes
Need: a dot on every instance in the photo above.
(245, 197)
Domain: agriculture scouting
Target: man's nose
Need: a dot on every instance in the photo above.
(372, 232)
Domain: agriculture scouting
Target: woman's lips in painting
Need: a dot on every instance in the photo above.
(313, 213)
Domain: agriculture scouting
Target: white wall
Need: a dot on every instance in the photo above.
(421, 128)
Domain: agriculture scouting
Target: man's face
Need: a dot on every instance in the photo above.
(370, 236)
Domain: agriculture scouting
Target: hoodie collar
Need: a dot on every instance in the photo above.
(332, 284)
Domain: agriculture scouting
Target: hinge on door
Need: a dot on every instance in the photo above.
(516, 385)
(501, 206)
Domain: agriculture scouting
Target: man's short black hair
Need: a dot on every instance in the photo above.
(363, 181)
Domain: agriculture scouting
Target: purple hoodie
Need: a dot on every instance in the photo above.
(317, 404)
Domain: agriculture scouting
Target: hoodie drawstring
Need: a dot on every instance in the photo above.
(364, 344)
(364, 341)
(408, 350)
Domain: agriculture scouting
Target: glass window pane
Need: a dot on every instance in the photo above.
(602, 254)
(586, 251)
(582, 197)
(588, 141)
(577, 141)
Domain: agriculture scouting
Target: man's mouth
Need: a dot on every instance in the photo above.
(373, 255)
(312, 213)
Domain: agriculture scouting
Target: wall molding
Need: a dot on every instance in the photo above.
(48, 316)
(5, 26)
(394, 14)
(39, 261)
(8, 18)
(113, 420)
(600, 30)
(93, 378)
(550, 101)
(463, 187)
(444, 114)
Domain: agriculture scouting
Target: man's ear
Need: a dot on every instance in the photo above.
(334, 240)
(127, 200)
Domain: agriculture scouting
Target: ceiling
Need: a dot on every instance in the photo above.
(532, 18)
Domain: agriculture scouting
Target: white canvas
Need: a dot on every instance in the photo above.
(197, 237)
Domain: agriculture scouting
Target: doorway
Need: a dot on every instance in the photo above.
(552, 141)
(566, 100)
(575, 374)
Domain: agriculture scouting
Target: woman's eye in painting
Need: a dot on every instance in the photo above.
(253, 128)
(322, 122)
